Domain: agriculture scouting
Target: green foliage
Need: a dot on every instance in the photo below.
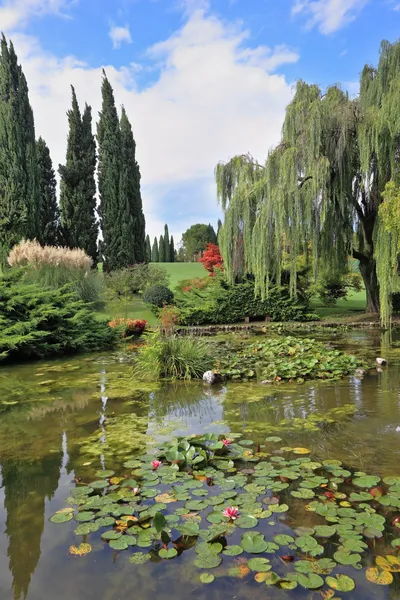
(332, 286)
(49, 215)
(172, 249)
(327, 174)
(148, 249)
(195, 240)
(161, 249)
(132, 280)
(219, 302)
(167, 245)
(284, 359)
(158, 295)
(155, 257)
(37, 322)
(19, 180)
(173, 358)
(79, 228)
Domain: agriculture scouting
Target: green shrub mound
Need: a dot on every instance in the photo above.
(158, 296)
(219, 302)
(173, 358)
(36, 322)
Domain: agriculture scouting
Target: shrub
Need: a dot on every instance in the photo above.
(212, 259)
(37, 322)
(135, 279)
(128, 327)
(173, 357)
(169, 317)
(332, 286)
(223, 303)
(158, 295)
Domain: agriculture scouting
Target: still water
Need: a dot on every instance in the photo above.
(66, 419)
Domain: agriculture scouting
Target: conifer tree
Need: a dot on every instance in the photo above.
(167, 245)
(79, 226)
(172, 249)
(49, 216)
(109, 169)
(133, 248)
(155, 257)
(148, 249)
(161, 250)
(19, 186)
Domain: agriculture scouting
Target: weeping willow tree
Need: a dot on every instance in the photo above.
(321, 187)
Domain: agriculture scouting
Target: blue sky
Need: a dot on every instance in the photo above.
(201, 80)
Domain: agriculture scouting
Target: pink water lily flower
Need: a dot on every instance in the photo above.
(156, 464)
(135, 491)
(232, 512)
(226, 442)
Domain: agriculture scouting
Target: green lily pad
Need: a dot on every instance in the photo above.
(259, 565)
(139, 558)
(119, 544)
(273, 439)
(104, 474)
(167, 553)
(207, 578)
(105, 521)
(84, 516)
(367, 481)
(325, 531)
(111, 535)
(346, 558)
(233, 550)
(246, 522)
(306, 543)
(207, 560)
(253, 543)
(271, 578)
(310, 582)
(86, 528)
(283, 540)
(341, 583)
(100, 484)
(62, 516)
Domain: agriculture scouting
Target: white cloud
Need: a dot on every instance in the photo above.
(328, 15)
(214, 97)
(17, 13)
(120, 35)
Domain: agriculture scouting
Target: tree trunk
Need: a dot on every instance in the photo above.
(368, 273)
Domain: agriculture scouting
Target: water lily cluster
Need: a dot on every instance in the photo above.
(267, 513)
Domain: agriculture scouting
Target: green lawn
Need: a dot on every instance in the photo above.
(135, 308)
(352, 305)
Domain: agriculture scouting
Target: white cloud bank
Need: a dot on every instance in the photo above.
(214, 97)
(17, 13)
(329, 15)
(119, 36)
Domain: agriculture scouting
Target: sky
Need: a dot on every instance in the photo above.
(201, 80)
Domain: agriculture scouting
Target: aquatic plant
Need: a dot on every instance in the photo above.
(173, 357)
(293, 520)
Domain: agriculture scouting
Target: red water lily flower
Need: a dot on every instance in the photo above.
(156, 464)
(232, 512)
(226, 442)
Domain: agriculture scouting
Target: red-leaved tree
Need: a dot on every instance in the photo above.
(212, 259)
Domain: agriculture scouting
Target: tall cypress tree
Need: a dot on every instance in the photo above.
(167, 244)
(161, 250)
(109, 169)
(155, 257)
(148, 249)
(49, 216)
(19, 186)
(172, 249)
(78, 187)
(133, 247)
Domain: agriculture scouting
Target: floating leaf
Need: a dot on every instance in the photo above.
(84, 516)
(260, 565)
(111, 535)
(341, 583)
(139, 558)
(273, 439)
(367, 481)
(325, 531)
(104, 474)
(389, 563)
(253, 543)
(99, 485)
(86, 528)
(379, 577)
(207, 578)
(119, 544)
(283, 540)
(80, 550)
(246, 522)
(207, 560)
(233, 550)
(271, 578)
(301, 451)
(346, 558)
(167, 553)
(62, 516)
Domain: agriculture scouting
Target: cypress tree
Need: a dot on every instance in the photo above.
(109, 141)
(155, 257)
(172, 249)
(19, 185)
(49, 217)
(167, 245)
(133, 246)
(148, 249)
(78, 187)
(161, 250)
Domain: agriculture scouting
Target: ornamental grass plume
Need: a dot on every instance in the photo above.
(31, 253)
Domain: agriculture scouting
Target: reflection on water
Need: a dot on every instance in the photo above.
(64, 420)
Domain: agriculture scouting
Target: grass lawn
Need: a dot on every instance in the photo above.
(135, 308)
(352, 305)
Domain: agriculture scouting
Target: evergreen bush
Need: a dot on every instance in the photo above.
(158, 295)
(37, 322)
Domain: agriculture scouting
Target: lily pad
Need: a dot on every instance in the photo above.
(208, 560)
(167, 553)
(139, 558)
(120, 544)
(259, 565)
(379, 577)
(367, 481)
(111, 535)
(84, 516)
(62, 516)
(283, 540)
(233, 550)
(253, 543)
(341, 583)
(100, 484)
(207, 578)
(246, 522)
(346, 558)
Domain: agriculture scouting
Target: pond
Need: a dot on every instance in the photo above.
(62, 421)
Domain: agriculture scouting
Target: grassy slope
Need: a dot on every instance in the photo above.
(136, 308)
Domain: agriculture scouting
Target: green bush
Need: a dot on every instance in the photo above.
(173, 358)
(135, 279)
(219, 302)
(158, 295)
(37, 322)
